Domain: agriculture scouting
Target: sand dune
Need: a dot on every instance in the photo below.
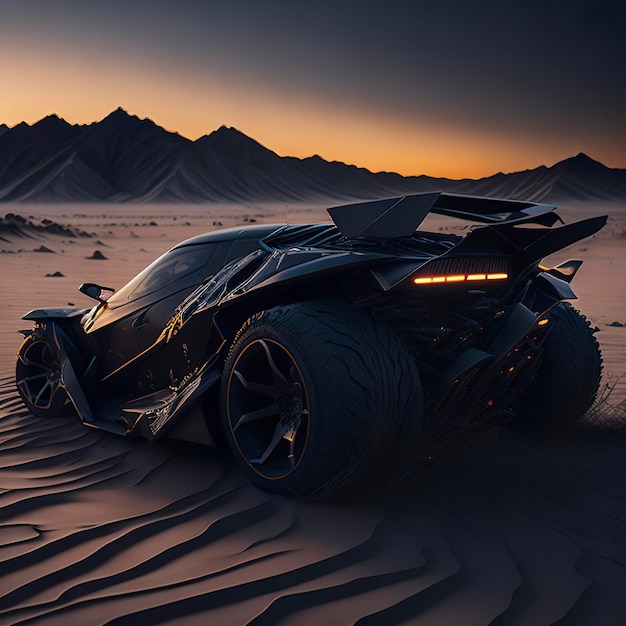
(97, 529)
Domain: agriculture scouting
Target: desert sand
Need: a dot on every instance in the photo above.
(98, 529)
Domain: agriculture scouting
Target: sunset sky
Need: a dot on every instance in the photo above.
(450, 88)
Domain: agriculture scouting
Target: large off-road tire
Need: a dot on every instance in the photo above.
(318, 397)
(38, 378)
(568, 378)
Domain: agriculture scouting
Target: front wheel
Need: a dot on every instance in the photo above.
(568, 378)
(38, 378)
(315, 398)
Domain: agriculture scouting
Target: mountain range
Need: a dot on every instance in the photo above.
(126, 159)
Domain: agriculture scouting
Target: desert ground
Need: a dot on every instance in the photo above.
(98, 529)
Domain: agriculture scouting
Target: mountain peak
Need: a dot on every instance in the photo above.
(121, 119)
(119, 115)
(228, 131)
(581, 160)
(51, 121)
(227, 137)
(581, 157)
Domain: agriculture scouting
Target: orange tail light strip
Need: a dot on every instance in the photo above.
(458, 278)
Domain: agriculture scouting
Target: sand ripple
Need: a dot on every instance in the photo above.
(97, 529)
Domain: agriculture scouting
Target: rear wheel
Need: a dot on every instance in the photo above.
(38, 378)
(568, 378)
(316, 397)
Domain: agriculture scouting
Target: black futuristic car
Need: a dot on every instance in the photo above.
(319, 352)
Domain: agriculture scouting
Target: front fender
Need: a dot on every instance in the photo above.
(44, 315)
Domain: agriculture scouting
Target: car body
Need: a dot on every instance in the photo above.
(250, 336)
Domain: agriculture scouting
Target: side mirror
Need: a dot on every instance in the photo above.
(101, 294)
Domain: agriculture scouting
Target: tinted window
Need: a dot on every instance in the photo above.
(172, 266)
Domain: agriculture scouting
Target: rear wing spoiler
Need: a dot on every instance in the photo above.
(395, 218)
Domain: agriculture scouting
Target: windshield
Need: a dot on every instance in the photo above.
(170, 267)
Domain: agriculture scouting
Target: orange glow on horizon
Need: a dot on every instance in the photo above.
(367, 148)
(83, 89)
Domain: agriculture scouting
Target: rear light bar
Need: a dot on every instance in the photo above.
(458, 278)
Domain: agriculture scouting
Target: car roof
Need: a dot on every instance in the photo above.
(257, 231)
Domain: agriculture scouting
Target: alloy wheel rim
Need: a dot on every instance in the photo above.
(268, 408)
(38, 374)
